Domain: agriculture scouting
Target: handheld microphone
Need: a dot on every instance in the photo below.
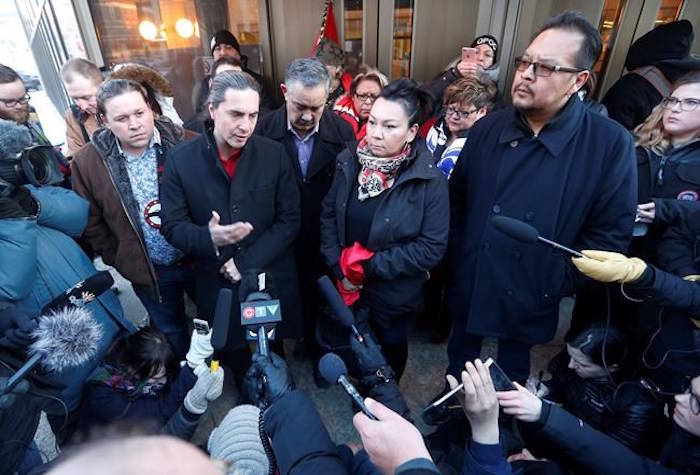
(523, 232)
(81, 293)
(334, 371)
(220, 325)
(259, 313)
(63, 339)
(340, 310)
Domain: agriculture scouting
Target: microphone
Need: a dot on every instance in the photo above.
(81, 293)
(334, 371)
(340, 310)
(523, 232)
(63, 339)
(220, 325)
(14, 138)
(222, 317)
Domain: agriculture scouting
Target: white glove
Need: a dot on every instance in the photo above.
(200, 349)
(207, 388)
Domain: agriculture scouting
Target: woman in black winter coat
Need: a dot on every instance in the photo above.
(592, 380)
(668, 160)
(385, 219)
(591, 451)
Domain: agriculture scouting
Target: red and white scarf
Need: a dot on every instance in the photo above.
(378, 173)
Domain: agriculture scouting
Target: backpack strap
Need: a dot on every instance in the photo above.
(656, 78)
(78, 117)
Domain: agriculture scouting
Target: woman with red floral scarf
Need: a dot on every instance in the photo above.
(385, 220)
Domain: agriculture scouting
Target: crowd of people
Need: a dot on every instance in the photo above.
(391, 190)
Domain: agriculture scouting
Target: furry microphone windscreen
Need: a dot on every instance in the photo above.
(14, 139)
(66, 338)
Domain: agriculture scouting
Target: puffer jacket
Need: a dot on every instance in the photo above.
(40, 260)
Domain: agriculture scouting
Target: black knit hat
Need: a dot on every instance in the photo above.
(487, 40)
(224, 37)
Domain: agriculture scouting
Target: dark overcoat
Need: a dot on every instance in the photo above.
(333, 135)
(408, 232)
(576, 182)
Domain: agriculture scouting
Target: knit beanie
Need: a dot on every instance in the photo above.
(487, 40)
(237, 441)
(224, 37)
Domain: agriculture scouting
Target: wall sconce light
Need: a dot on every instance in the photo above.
(148, 30)
(184, 28)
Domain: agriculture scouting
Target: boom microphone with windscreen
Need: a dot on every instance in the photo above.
(340, 310)
(81, 293)
(334, 371)
(63, 339)
(523, 232)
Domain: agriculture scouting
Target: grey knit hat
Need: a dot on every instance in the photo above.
(237, 441)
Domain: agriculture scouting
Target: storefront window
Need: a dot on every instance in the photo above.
(608, 27)
(668, 11)
(173, 36)
(352, 18)
(403, 31)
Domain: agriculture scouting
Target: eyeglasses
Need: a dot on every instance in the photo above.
(688, 104)
(14, 102)
(542, 70)
(366, 97)
(450, 110)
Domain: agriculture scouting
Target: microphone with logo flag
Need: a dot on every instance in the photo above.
(259, 313)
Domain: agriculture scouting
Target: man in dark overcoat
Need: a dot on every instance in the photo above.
(312, 137)
(231, 204)
(553, 164)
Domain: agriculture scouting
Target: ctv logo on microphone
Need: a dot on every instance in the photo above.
(260, 312)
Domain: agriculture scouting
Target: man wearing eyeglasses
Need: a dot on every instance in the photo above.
(14, 103)
(312, 137)
(552, 163)
(14, 106)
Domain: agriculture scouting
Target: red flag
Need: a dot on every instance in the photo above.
(328, 29)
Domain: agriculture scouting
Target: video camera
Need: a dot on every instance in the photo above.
(35, 165)
(259, 313)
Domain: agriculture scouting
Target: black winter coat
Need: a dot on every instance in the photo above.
(670, 319)
(597, 453)
(628, 413)
(672, 182)
(408, 232)
(575, 182)
(333, 135)
(631, 99)
(263, 193)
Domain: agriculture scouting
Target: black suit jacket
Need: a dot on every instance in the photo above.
(334, 135)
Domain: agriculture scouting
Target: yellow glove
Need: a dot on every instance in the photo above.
(605, 266)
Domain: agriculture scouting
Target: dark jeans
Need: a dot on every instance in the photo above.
(513, 356)
(392, 336)
(168, 315)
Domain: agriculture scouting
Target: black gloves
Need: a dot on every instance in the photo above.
(17, 202)
(15, 330)
(267, 380)
(370, 361)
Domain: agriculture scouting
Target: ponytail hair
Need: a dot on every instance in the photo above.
(416, 102)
